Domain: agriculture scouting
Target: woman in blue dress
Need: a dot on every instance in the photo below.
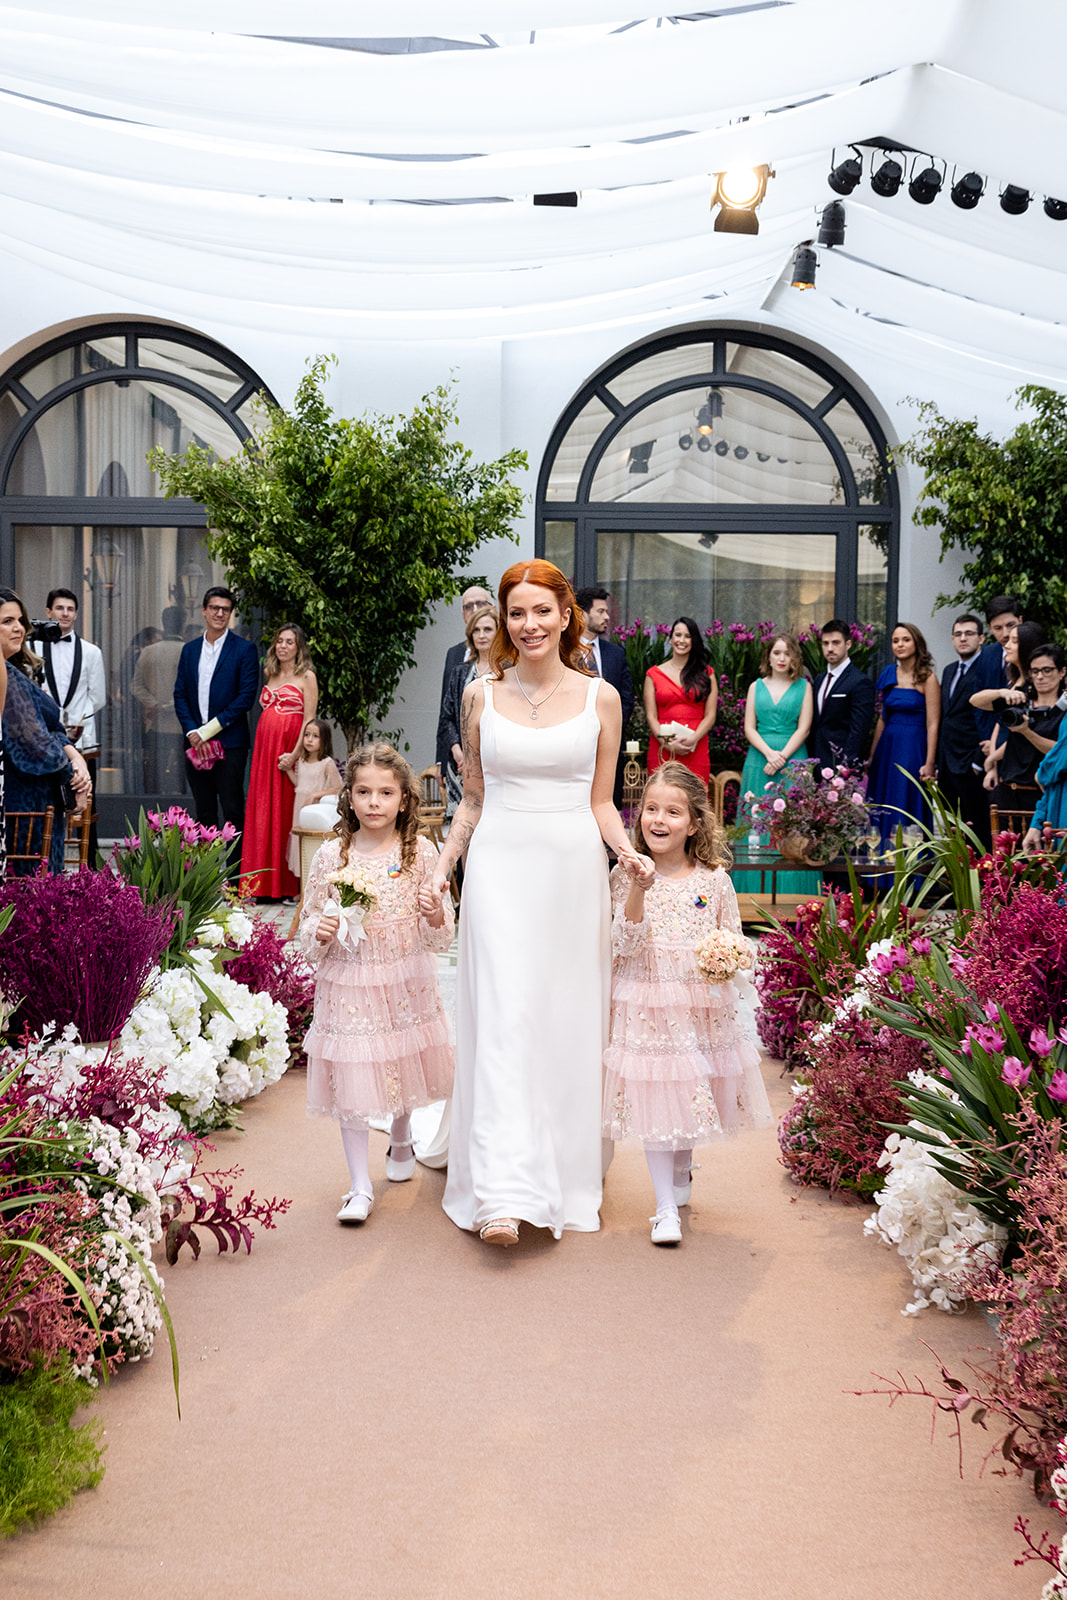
(778, 712)
(908, 697)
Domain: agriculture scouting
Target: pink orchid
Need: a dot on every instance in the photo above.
(1057, 1086)
(1040, 1043)
(991, 1039)
(965, 1047)
(228, 832)
(907, 983)
(883, 964)
(921, 945)
(1014, 1074)
(992, 1010)
(899, 956)
(958, 963)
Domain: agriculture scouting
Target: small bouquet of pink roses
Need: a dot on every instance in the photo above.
(355, 887)
(721, 954)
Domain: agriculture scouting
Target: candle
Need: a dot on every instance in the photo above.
(632, 747)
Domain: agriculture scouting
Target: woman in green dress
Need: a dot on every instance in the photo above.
(778, 714)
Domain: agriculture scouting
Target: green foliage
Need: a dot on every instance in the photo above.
(44, 1461)
(1003, 503)
(353, 529)
(176, 862)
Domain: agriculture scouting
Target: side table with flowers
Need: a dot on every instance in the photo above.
(812, 815)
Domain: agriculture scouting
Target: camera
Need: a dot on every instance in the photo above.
(44, 631)
(1014, 716)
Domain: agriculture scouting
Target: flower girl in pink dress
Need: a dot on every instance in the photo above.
(378, 1044)
(682, 1066)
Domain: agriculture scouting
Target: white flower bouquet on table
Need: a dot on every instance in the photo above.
(721, 954)
(358, 897)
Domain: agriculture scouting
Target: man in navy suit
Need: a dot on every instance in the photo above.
(218, 676)
(959, 757)
(607, 660)
(1002, 614)
(469, 600)
(844, 703)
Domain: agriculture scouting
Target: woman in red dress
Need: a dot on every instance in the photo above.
(681, 699)
(289, 700)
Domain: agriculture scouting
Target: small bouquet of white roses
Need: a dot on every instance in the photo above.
(721, 954)
(355, 887)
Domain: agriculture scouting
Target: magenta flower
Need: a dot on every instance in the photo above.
(1040, 1043)
(959, 965)
(992, 1010)
(228, 832)
(991, 1039)
(921, 945)
(907, 983)
(883, 964)
(965, 1047)
(1057, 1086)
(1014, 1074)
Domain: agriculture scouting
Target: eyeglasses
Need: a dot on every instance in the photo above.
(222, 611)
(1044, 672)
(965, 633)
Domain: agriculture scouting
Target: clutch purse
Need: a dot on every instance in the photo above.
(207, 755)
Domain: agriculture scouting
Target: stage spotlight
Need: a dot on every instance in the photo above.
(704, 443)
(708, 540)
(1014, 200)
(832, 225)
(710, 412)
(925, 187)
(721, 447)
(888, 179)
(1056, 209)
(845, 176)
(739, 193)
(805, 263)
(569, 198)
(685, 441)
(968, 190)
(740, 451)
(639, 454)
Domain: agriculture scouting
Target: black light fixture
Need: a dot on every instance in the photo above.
(704, 443)
(685, 441)
(805, 263)
(708, 540)
(710, 412)
(1055, 209)
(739, 192)
(568, 198)
(832, 224)
(925, 186)
(761, 457)
(1014, 200)
(968, 190)
(888, 179)
(741, 451)
(845, 175)
(639, 454)
(721, 447)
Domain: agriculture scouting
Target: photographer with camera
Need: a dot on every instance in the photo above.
(1027, 715)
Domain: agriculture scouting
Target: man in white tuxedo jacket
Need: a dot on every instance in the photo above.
(74, 677)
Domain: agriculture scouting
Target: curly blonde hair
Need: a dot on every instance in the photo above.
(382, 755)
(708, 844)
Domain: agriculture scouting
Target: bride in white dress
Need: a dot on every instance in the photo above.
(540, 742)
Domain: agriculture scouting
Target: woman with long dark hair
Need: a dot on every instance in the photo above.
(908, 697)
(681, 699)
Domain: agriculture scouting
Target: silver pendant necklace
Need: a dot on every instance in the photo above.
(533, 704)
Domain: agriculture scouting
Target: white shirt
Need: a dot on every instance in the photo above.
(90, 692)
(63, 664)
(209, 660)
(832, 675)
(593, 647)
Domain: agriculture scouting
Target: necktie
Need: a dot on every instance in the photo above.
(827, 681)
(590, 660)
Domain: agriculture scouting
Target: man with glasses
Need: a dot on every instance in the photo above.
(218, 676)
(470, 600)
(960, 763)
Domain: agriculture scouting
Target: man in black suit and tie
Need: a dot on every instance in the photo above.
(844, 703)
(607, 660)
(959, 757)
(1003, 613)
(470, 600)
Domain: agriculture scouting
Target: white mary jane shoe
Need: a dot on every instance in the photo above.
(399, 1171)
(357, 1207)
(666, 1228)
(683, 1192)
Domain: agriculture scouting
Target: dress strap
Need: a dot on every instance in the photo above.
(590, 693)
(487, 691)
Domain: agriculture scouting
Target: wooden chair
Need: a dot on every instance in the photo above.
(76, 842)
(1009, 821)
(719, 785)
(432, 800)
(21, 827)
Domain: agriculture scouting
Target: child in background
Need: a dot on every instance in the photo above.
(681, 1065)
(378, 1045)
(315, 776)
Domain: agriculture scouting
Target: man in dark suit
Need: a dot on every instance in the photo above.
(215, 688)
(606, 659)
(959, 758)
(1002, 614)
(469, 600)
(844, 703)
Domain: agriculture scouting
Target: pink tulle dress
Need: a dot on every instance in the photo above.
(681, 1067)
(378, 1045)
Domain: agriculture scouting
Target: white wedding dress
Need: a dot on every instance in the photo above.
(532, 983)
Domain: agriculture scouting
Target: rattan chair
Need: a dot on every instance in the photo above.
(719, 785)
(21, 843)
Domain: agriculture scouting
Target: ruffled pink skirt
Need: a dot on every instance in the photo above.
(681, 1067)
(378, 1045)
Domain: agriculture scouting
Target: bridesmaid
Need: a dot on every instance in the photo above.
(683, 690)
(289, 700)
(778, 713)
(909, 714)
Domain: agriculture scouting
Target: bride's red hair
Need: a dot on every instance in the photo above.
(502, 652)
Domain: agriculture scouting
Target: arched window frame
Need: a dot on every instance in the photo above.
(843, 519)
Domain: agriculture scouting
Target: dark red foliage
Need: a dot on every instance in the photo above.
(231, 1227)
(268, 963)
(1016, 954)
(79, 949)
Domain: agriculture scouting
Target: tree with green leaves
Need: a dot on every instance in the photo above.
(353, 529)
(1005, 504)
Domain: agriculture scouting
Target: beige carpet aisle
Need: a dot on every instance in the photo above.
(399, 1411)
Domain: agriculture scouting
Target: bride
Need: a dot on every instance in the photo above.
(540, 740)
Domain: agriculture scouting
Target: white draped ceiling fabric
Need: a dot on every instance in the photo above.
(258, 163)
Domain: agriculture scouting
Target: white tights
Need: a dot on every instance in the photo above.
(357, 1151)
(667, 1168)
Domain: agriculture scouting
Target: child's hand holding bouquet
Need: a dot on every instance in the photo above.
(721, 954)
(355, 888)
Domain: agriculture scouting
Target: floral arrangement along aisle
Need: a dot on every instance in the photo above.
(811, 816)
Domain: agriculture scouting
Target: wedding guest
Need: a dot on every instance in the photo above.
(74, 677)
(1004, 612)
(606, 659)
(960, 761)
(314, 777)
(778, 709)
(481, 631)
(1037, 671)
(681, 698)
(844, 702)
(153, 689)
(289, 700)
(470, 601)
(908, 698)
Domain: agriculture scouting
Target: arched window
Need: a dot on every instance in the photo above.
(727, 474)
(80, 510)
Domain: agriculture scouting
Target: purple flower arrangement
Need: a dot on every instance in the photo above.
(827, 807)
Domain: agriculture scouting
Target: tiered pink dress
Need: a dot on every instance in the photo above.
(378, 1045)
(681, 1066)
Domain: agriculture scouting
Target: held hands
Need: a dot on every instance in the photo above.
(774, 764)
(640, 869)
(430, 903)
(1032, 842)
(436, 888)
(287, 760)
(928, 772)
